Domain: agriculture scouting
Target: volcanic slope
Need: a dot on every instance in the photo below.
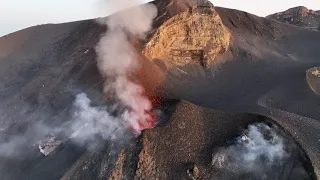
(299, 16)
(244, 64)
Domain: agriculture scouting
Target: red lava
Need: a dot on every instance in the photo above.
(152, 119)
(148, 123)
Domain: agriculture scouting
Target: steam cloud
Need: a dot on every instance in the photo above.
(89, 121)
(118, 60)
(18, 146)
(262, 152)
(86, 127)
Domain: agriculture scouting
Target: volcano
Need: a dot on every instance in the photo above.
(211, 72)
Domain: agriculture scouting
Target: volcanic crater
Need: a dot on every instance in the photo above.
(211, 73)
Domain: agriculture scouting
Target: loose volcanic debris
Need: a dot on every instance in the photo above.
(146, 166)
(313, 79)
(49, 146)
(118, 169)
(316, 72)
(193, 172)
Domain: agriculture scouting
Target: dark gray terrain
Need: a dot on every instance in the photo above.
(299, 16)
(266, 75)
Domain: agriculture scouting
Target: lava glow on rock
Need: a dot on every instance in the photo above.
(148, 121)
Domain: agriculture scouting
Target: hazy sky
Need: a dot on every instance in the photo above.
(19, 14)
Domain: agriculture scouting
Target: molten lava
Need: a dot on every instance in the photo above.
(150, 123)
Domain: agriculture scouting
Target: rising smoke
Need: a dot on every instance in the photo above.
(90, 122)
(262, 152)
(21, 145)
(118, 60)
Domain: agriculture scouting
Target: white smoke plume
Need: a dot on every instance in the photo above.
(251, 146)
(117, 59)
(85, 126)
(262, 152)
(89, 121)
(20, 145)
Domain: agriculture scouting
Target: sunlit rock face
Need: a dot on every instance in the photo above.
(195, 36)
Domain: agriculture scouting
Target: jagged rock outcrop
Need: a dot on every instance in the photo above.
(299, 16)
(195, 36)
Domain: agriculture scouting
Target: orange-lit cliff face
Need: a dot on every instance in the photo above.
(187, 69)
(151, 78)
(193, 35)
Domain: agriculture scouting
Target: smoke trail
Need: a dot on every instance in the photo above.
(21, 145)
(262, 152)
(117, 60)
(86, 126)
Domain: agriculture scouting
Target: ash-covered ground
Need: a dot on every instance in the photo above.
(229, 71)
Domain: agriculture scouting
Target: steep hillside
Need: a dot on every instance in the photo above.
(221, 70)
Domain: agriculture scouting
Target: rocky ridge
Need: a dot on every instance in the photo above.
(299, 16)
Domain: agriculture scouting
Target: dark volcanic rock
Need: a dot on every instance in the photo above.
(191, 134)
(184, 148)
(299, 16)
(40, 76)
(259, 67)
